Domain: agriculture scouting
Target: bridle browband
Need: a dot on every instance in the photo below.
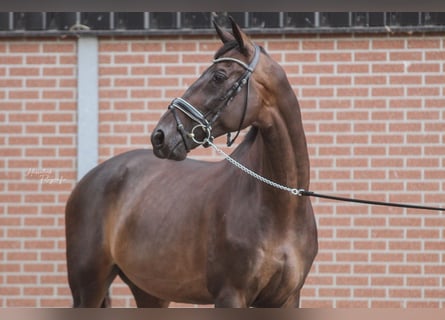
(201, 119)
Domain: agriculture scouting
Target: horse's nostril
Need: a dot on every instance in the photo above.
(157, 139)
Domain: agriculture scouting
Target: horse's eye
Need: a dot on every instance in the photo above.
(219, 76)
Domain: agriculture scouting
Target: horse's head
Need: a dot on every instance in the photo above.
(224, 99)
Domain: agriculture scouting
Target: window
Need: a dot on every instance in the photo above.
(201, 22)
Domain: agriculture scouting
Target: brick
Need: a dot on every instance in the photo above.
(423, 44)
(23, 94)
(40, 106)
(387, 280)
(405, 245)
(423, 91)
(125, 82)
(163, 82)
(369, 292)
(352, 92)
(129, 59)
(424, 67)
(353, 68)
(319, 68)
(10, 60)
(23, 47)
(433, 79)
(40, 129)
(139, 70)
(59, 47)
(423, 257)
(335, 292)
(298, 57)
(41, 60)
(388, 44)
(334, 80)
(58, 117)
(58, 71)
(180, 70)
(11, 83)
(112, 94)
(370, 80)
(352, 44)
(121, 46)
(405, 79)
(405, 55)
(405, 293)
(318, 92)
(181, 46)
(24, 71)
(163, 58)
(38, 244)
(332, 57)
(145, 93)
(350, 233)
(40, 83)
(388, 68)
(370, 56)
(317, 45)
(434, 55)
(11, 152)
(58, 94)
(137, 47)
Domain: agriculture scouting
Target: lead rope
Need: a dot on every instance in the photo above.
(302, 192)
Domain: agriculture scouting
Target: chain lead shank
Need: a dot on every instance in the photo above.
(294, 191)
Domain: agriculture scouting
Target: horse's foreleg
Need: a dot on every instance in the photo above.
(230, 298)
(293, 301)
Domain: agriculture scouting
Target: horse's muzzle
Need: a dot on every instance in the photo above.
(163, 150)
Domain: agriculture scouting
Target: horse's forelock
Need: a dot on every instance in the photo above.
(225, 48)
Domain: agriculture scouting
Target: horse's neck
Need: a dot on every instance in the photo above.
(284, 150)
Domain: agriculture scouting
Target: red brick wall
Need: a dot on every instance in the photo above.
(373, 108)
(37, 168)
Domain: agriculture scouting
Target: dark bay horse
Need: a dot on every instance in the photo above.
(202, 232)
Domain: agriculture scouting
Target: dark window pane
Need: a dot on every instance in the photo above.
(19, 21)
(60, 20)
(96, 20)
(196, 20)
(4, 20)
(334, 19)
(34, 21)
(163, 20)
(376, 19)
(264, 20)
(360, 19)
(402, 19)
(129, 20)
(434, 18)
(409, 19)
(299, 20)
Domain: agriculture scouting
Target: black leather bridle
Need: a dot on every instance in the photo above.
(202, 122)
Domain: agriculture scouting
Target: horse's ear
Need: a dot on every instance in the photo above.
(223, 34)
(240, 37)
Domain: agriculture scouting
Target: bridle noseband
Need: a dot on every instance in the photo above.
(206, 125)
